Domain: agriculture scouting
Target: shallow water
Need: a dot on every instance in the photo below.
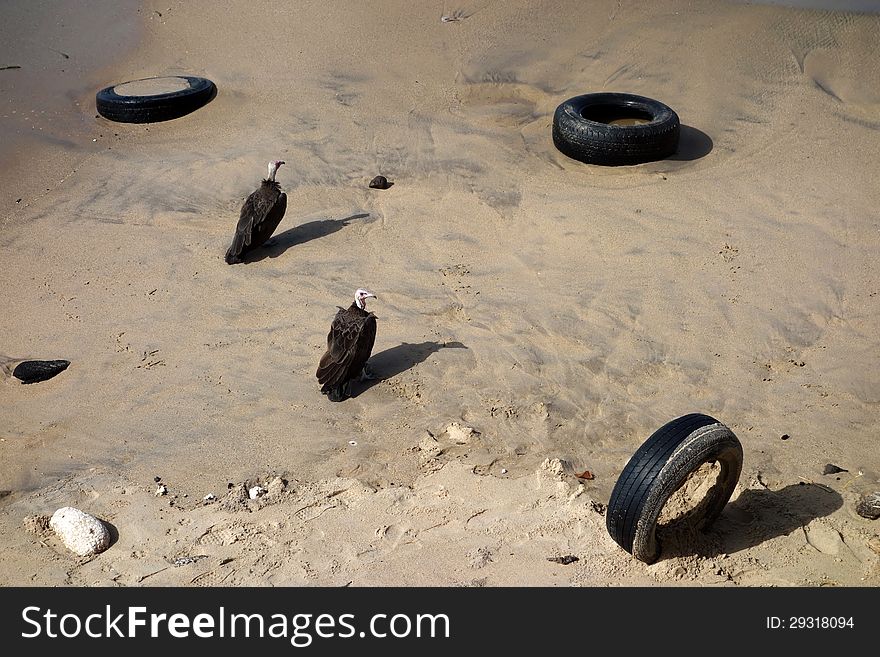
(858, 6)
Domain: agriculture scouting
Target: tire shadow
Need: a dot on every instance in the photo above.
(693, 144)
(755, 517)
(391, 362)
(312, 230)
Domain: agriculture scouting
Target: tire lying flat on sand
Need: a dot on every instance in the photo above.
(659, 468)
(154, 99)
(615, 129)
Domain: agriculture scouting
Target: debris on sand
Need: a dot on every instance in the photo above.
(256, 491)
(161, 490)
(869, 506)
(82, 533)
(185, 561)
(567, 559)
(830, 469)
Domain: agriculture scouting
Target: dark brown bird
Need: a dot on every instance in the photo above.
(261, 213)
(349, 345)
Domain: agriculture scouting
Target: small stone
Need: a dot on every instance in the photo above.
(82, 533)
(210, 497)
(256, 491)
(830, 469)
(161, 489)
(380, 182)
(157, 479)
(784, 436)
(503, 470)
(567, 559)
(869, 506)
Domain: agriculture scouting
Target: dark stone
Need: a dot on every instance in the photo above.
(380, 182)
(830, 468)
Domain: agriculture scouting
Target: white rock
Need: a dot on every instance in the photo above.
(256, 491)
(210, 497)
(161, 489)
(82, 533)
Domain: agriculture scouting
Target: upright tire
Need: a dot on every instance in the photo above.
(659, 468)
(584, 129)
(154, 99)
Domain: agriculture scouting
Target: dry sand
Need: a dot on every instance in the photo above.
(565, 311)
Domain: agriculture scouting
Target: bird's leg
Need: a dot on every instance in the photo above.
(367, 374)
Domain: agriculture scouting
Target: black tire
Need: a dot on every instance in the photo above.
(659, 468)
(34, 371)
(158, 107)
(581, 129)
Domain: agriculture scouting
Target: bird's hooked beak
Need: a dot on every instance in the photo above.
(273, 167)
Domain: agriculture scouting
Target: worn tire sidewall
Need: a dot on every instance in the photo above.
(593, 142)
(710, 443)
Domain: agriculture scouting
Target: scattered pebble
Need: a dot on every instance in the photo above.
(830, 469)
(785, 436)
(586, 474)
(567, 559)
(353, 443)
(161, 489)
(503, 470)
(380, 182)
(256, 491)
(82, 533)
(157, 479)
(210, 497)
(869, 506)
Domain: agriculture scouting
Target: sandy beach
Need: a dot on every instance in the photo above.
(564, 311)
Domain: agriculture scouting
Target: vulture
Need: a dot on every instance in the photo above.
(349, 345)
(261, 213)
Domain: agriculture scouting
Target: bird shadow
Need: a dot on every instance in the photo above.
(755, 517)
(396, 360)
(692, 144)
(301, 234)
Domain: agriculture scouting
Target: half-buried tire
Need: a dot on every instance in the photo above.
(615, 129)
(34, 371)
(154, 99)
(659, 468)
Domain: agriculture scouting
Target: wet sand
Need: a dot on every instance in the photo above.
(563, 310)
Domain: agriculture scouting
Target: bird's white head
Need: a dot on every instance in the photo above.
(273, 167)
(361, 296)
